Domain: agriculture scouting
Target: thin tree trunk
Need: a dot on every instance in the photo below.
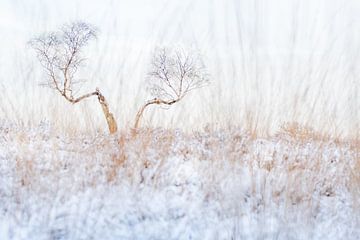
(111, 122)
(108, 115)
(153, 101)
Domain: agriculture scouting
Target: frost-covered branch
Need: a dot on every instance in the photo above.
(173, 74)
(60, 54)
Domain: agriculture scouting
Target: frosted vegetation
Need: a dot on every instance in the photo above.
(165, 184)
(270, 149)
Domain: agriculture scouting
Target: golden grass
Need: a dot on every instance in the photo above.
(292, 164)
(302, 132)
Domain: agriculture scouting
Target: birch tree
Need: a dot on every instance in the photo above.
(61, 55)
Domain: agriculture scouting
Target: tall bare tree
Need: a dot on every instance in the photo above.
(60, 54)
(173, 74)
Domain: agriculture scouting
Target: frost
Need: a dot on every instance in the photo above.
(165, 184)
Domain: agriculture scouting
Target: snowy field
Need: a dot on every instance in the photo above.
(222, 164)
(167, 184)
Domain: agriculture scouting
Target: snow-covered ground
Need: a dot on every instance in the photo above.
(167, 184)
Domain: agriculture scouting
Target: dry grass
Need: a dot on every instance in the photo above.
(303, 133)
(291, 172)
(355, 173)
(232, 145)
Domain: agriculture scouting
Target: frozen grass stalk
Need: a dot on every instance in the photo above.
(60, 55)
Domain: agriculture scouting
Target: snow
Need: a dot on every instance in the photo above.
(167, 184)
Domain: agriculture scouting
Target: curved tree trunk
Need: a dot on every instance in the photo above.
(153, 101)
(112, 125)
(110, 120)
(140, 113)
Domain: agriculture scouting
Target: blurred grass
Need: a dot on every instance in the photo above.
(288, 61)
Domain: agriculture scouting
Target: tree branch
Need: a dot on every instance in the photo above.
(60, 54)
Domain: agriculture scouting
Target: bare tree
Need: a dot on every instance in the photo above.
(60, 53)
(173, 74)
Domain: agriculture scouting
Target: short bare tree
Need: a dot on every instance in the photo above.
(173, 74)
(60, 54)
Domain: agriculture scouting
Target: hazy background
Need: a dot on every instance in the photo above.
(270, 62)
